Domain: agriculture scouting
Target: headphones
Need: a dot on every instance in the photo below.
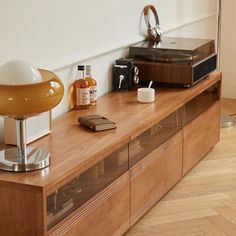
(153, 33)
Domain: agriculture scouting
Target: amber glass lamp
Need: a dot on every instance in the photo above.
(26, 91)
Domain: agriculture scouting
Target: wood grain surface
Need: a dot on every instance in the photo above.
(74, 148)
(106, 214)
(153, 176)
(200, 136)
(21, 212)
(203, 203)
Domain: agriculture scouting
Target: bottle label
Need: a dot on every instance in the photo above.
(82, 97)
(93, 93)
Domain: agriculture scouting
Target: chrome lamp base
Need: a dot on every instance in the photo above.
(34, 159)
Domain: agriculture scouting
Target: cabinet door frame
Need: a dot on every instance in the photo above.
(200, 136)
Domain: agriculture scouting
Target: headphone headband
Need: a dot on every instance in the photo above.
(154, 33)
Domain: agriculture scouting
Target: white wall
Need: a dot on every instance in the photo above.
(57, 35)
(228, 48)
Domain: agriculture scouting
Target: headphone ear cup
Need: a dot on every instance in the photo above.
(151, 34)
(154, 33)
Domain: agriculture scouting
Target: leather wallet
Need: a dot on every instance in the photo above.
(96, 122)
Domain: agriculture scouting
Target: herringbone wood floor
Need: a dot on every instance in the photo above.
(204, 201)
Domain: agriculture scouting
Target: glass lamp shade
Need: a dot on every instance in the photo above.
(19, 72)
(24, 92)
(19, 101)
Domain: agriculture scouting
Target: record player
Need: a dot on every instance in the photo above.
(174, 61)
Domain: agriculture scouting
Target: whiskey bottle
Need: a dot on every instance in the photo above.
(92, 85)
(81, 88)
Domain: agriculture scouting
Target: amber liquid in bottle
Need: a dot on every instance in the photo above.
(71, 96)
(92, 85)
(81, 89)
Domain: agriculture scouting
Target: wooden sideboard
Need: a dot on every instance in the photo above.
(101, 183)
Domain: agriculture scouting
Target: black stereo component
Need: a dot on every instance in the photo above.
(125, 74)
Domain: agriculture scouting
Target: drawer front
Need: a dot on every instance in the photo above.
(153, 176)
(72, 195)
(108, 213)
(200, 136)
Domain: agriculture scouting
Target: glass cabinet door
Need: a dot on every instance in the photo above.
(200, 103)
(79, 190)
(149, 140)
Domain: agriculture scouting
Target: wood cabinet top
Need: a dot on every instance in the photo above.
(74, 148)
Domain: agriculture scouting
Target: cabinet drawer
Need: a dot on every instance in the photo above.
(107, 213)
(154, 175)
(200, 136)
(152, 138)
(70, 196)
